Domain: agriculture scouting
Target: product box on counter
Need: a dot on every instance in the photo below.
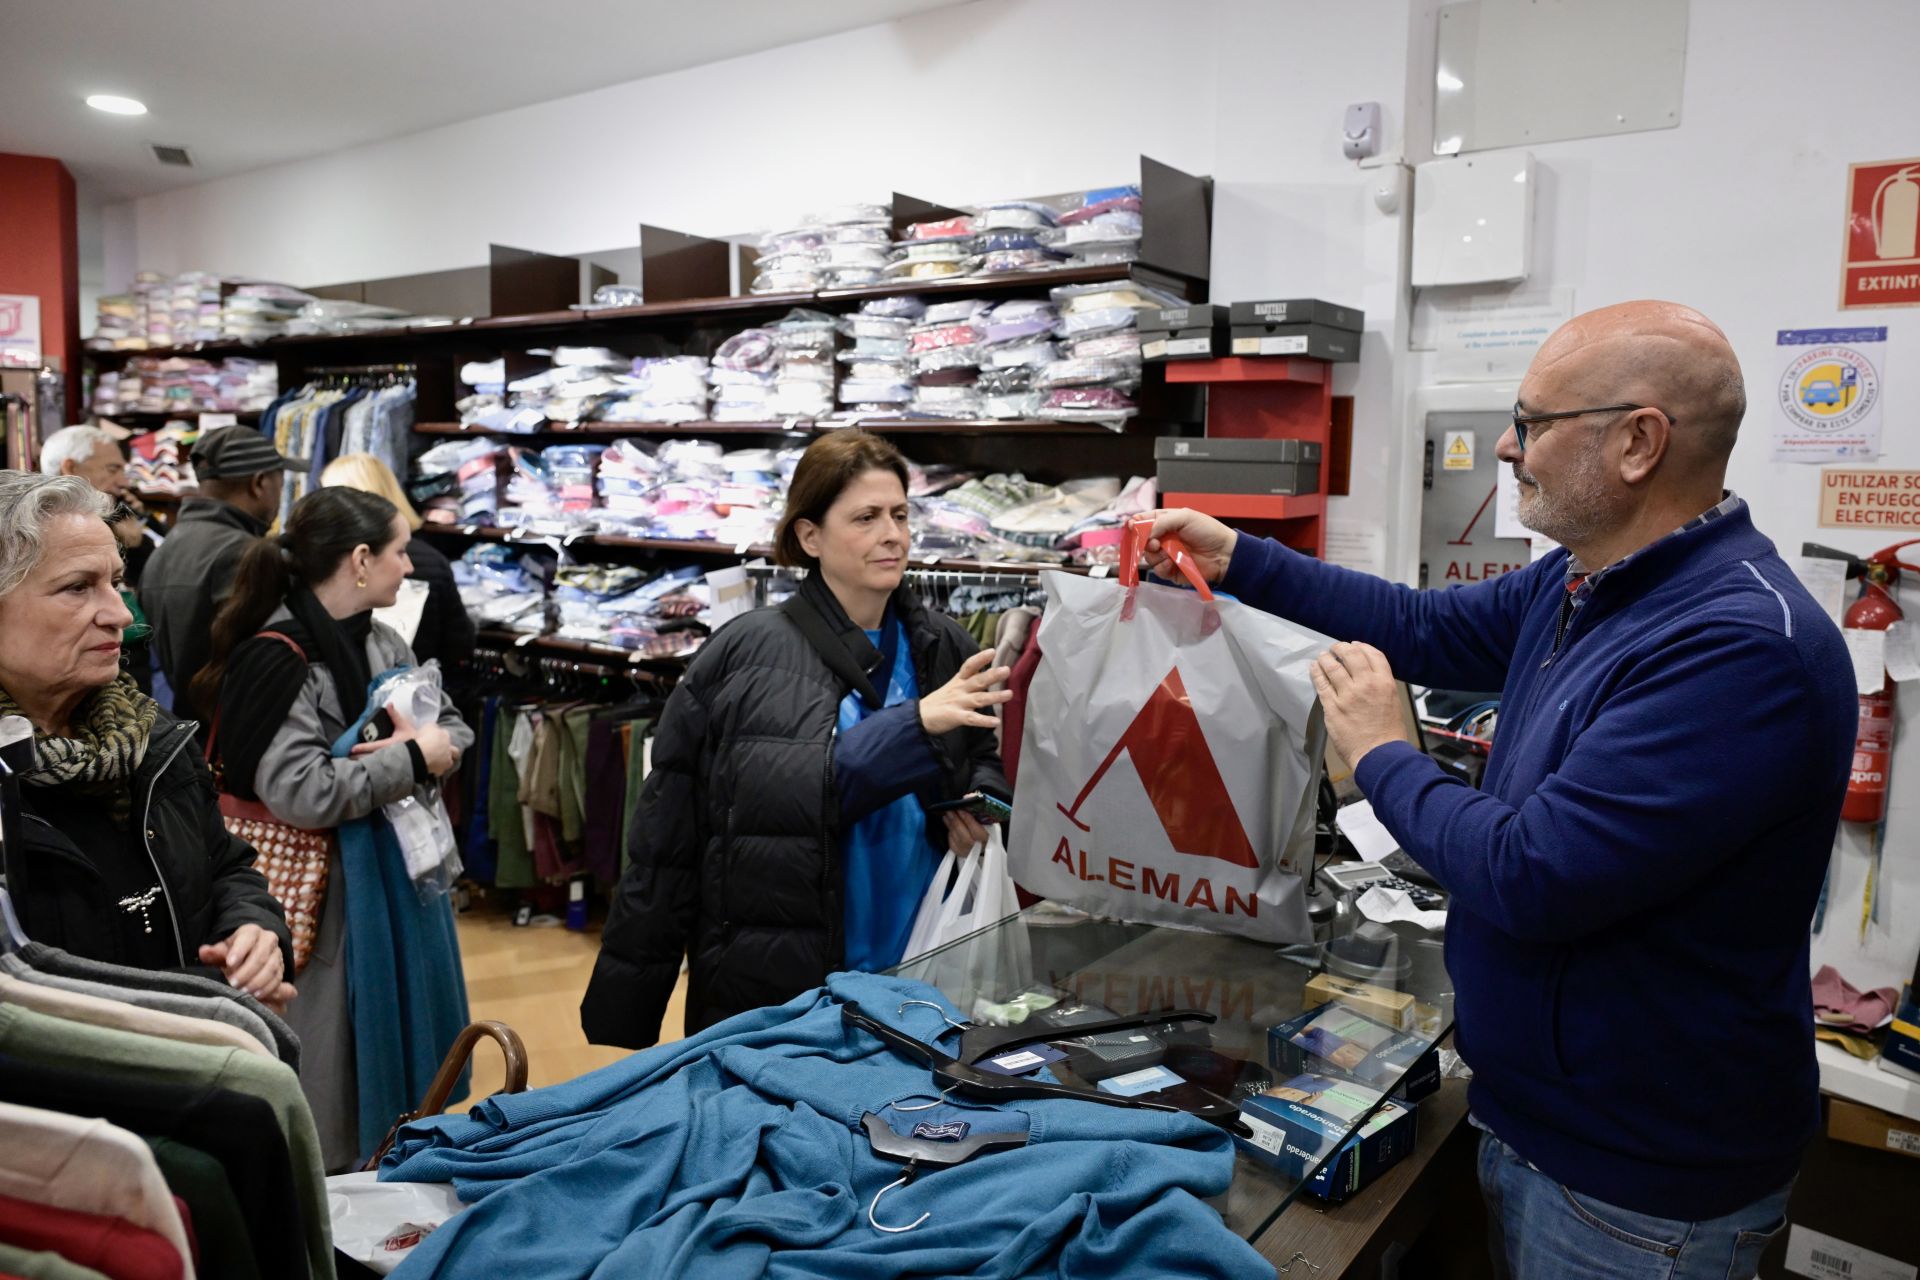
(1194, 332)
(1902, 1046)
(1393, 1008)
(1315, 341)
(1214, 464)
(1345, 1040)
(1294, 1123)
(1291, 311)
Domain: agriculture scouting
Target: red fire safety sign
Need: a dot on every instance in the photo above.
(1882, 257)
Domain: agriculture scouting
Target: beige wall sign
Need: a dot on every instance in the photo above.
(1869, 498)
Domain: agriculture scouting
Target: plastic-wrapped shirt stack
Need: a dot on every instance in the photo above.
(877, 380)
(1099, 369)
(934, 250)
(741, 1151)
(1008, 238)
(945, 347)
(1104, 231)
(1016, 342)
(803, 344)
(671, 389)
(742, 375)
(457, 482)
(503, 588)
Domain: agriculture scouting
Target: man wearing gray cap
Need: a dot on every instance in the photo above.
(240, 476)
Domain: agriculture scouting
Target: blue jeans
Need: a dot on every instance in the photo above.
(1540, 1230)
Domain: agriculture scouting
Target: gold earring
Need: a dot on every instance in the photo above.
(361, 583)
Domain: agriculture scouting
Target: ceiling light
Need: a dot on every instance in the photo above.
(115, 105)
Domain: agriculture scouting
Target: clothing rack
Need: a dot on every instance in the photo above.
(346, 375)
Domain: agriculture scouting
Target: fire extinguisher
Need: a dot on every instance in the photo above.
(1875, 610)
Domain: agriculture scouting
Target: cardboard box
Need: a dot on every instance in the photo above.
(1315, 341)
(1298, 311)
(1851, 1214)
(1335, 1040)
(1217, 465)
(1394, 1008)
(1871, 1127)
(1196, 332)
(1297, 1122)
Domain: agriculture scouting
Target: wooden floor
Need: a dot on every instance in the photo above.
(531, 978)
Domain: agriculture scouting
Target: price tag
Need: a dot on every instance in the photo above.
(470, 529)
(635, 658)
(525, 640)
(1100, 571)
(743, 548)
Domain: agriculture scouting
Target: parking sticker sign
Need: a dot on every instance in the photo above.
(1828, 394)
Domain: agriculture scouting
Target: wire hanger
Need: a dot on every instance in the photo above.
(917, 1151)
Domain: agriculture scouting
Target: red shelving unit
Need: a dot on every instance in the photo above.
(1266, 398)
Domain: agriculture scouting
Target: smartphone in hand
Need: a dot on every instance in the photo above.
(982, 806)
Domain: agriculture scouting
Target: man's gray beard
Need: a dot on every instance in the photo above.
(1577, 509)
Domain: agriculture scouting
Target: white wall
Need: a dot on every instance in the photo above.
(1738, 212)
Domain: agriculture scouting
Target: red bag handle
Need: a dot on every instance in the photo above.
(1133, 549)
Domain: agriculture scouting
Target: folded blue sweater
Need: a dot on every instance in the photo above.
(1633, 883)
(739, 1152)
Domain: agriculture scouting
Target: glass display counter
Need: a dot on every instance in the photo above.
(1386, 983)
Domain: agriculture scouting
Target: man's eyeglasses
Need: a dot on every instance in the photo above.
(1524, 423)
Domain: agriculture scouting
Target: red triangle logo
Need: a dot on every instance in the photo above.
(1182, 780)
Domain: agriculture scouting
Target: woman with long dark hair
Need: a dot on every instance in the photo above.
(785, 830)
(295, 652)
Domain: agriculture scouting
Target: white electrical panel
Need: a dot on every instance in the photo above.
(1473, 219)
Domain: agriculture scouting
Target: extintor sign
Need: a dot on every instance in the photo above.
(1881, 262)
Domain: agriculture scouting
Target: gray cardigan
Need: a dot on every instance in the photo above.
(300, 781)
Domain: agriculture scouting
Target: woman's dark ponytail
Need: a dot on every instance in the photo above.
(323, 530)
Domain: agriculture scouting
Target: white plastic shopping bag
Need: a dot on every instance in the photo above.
(968, 894)
(1170, 758)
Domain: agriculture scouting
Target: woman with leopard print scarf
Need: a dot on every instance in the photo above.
(123, 856)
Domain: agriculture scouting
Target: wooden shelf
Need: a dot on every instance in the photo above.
(1250, 369)
(797, 426)
(1250, 506)
(154, 498)
(161, 417)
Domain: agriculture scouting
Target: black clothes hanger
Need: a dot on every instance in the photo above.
(916, 1152)
(977, 1042)
(953, 1075)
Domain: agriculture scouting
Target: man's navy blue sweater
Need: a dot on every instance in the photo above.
(1632, 886)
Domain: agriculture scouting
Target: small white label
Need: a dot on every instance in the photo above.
(1155, 349)
(634, 659)
(1246, 346)
(1824, 1257)
(1267, 1137)
(1901, 1140)
(1290, 346)
(1903, 652)
(1020, 1061)
(1868, 649)
(1100, 570)
(1189, 347)
(525, 640)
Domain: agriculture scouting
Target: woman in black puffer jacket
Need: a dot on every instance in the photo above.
(783, 832)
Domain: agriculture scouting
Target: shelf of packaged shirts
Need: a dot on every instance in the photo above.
(790, 426)
(492, 533)
(599, 317)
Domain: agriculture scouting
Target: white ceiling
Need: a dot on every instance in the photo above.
(248, 83)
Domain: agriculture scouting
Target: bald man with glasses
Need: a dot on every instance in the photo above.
(1633, 883)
